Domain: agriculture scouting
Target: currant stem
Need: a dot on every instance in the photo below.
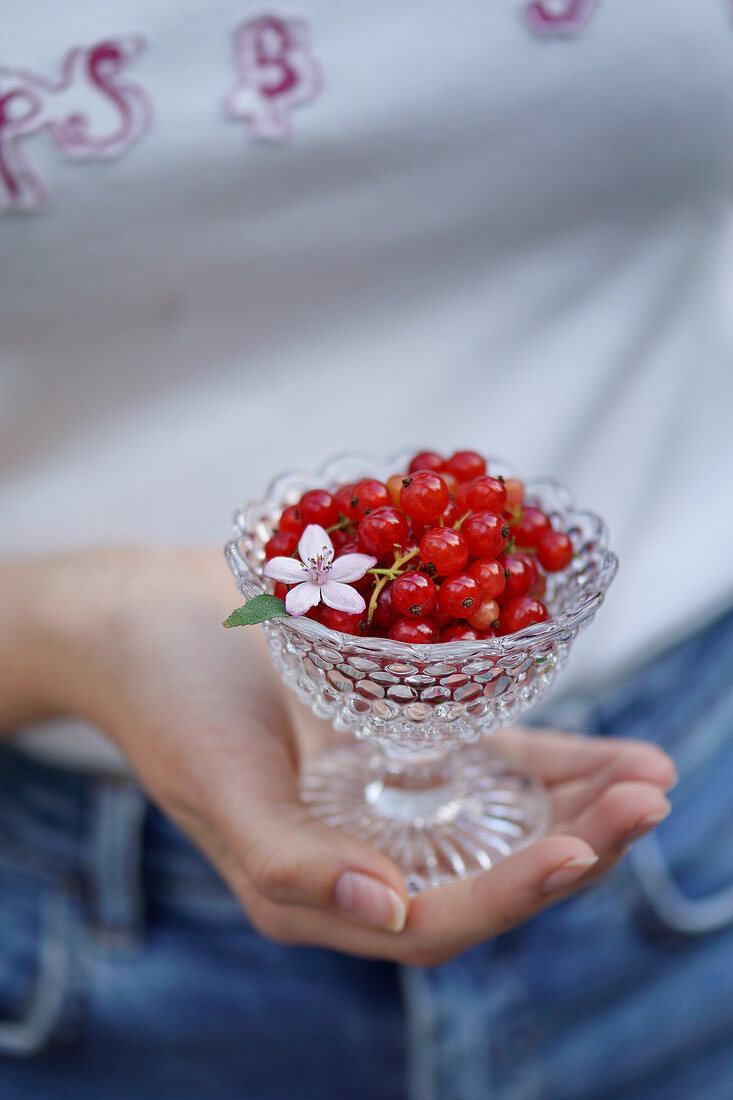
(388, 575)
(342, 523)
(373, 601)
(407, 557)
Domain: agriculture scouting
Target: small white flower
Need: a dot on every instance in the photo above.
(318, 577)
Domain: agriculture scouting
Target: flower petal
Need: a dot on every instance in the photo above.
(285, 569)
(342, 597)
(315, 541)
(302, 598)
(351, 567)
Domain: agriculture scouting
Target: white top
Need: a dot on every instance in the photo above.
(280, 233)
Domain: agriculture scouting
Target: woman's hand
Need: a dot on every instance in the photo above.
(131, 639)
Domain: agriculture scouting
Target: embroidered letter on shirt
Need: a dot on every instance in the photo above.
(559, 16)
(89, 113)
(277, 71)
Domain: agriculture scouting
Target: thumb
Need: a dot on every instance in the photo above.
(290, 859)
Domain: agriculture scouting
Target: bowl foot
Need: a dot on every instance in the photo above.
(485, 810)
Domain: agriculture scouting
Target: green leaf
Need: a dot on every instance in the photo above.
(257, 610)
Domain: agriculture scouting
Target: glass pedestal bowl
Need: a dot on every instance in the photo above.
(419, 779)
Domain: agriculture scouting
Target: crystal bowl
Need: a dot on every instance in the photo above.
(420, 781)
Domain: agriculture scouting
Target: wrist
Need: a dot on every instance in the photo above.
(58, 614)
(72, 624)
(26, 646)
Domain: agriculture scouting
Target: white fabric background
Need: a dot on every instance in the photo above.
(475, 237)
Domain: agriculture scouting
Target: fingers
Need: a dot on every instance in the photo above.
(621, 814)
(633, 762)
(557, 757)
(449, 919)
(455, 917)
(446, 921)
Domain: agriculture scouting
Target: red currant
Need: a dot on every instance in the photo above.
(427, 460)
(460, 596)
(490, 575)
(419, 529)
(440, 618)
(343, 621)
(385, 613)
(466, 465)
(424, 496)
(451, 515)
(414, 594)
(486, 615)
(514, 492)
(443, 551)
(530, 561)
(368, 495)
(458, 632)
(486, 494)
(382, 530)
(318, 506)
(532, 525)
(554, 551)
(394, 484)
(485, 534)
(414, 630)
(524, 611)
(290, 521)
(281, 590)
(283, 544)
(342, 499)
(341, 539)
(460, 497)
(519, 576)
(539, 586)
(450, 480)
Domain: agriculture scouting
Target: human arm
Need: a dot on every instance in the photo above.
(130, 639)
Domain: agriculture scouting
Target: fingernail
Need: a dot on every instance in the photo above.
(371, 901)
(567, 874)
(645, 825)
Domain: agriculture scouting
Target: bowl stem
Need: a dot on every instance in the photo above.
(453, 812)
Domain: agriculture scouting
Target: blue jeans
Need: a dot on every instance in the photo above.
(127, 970)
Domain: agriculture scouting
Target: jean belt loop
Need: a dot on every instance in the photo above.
(115, 861)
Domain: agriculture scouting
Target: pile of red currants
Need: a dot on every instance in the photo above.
(460, 555)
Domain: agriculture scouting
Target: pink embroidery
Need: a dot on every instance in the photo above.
(277, 71)
(559, 16)
(89, 86)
